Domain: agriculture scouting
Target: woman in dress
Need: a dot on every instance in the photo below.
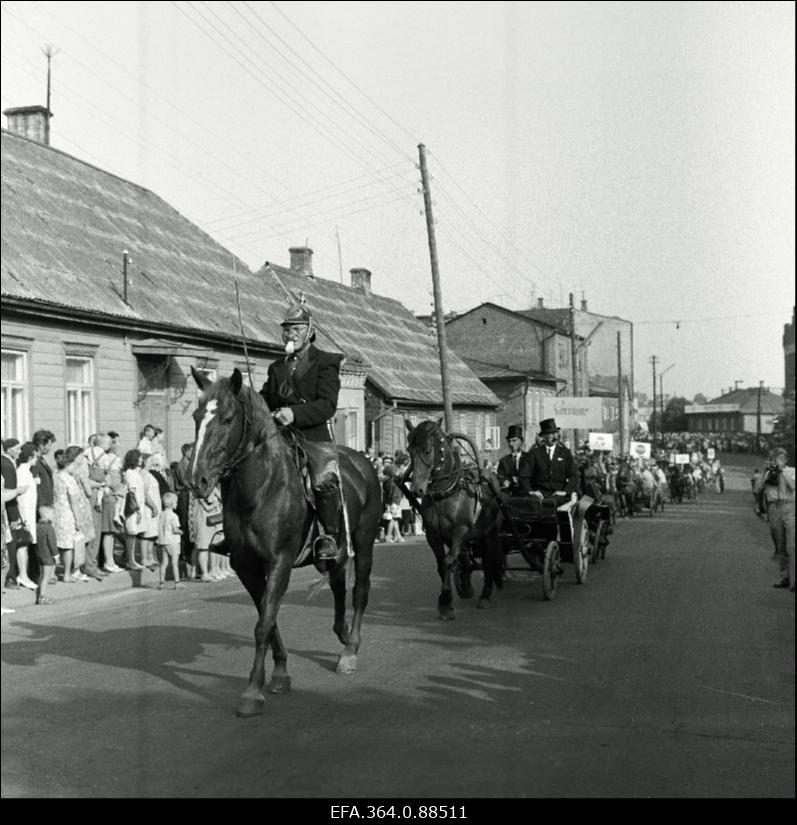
(26, 501)
(73, 522)
(134, 515)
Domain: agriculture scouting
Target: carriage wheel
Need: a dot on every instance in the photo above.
(581, 551)
(550, 570)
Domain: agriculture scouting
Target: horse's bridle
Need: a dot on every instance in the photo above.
(452, 477)
(241, 451)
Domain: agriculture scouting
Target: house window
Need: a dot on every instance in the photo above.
(492, 438)
(79, 399)
(15, 395)
(351, 429)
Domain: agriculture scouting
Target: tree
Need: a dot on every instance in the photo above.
(700, 399)
(674, 418)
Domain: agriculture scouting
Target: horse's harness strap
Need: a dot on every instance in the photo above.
(245, 446)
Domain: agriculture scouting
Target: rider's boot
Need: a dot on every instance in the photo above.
(325, 547)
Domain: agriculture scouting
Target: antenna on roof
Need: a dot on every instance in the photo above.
(241, 324)
(49, 52)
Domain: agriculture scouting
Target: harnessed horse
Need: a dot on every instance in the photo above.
(456, 505)
(268, 519)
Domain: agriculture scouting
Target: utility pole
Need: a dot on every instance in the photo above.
(573, 359)
(758, 418)
(620, 393)
(448, 409)
(653, 417)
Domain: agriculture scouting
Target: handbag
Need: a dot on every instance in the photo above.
(214, 519)
(20, 534)
(131, 504)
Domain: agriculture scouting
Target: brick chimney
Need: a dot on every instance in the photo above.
(361, 279)
(302, 260)
(540, 303)
(29, 122)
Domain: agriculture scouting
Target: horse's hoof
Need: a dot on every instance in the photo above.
(484, 604)
(347, 663)
(249, 707)
(279, 684)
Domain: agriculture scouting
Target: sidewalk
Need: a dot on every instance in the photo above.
(24, 599)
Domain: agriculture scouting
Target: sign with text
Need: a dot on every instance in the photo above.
(573, 413)
(682, 458)
(601, 441)
(640, 449)
(711, 454)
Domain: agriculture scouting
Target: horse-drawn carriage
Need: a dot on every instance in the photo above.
(545, 533)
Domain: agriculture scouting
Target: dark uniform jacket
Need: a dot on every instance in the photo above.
(311, 391)
(519, 477)
(551, 476)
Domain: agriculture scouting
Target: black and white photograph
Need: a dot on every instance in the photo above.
(398, 403)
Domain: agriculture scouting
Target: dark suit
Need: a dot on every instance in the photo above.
(551, 475)
(311, 391)
(519, 477)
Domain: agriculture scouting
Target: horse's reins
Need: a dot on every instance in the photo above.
(241, 451)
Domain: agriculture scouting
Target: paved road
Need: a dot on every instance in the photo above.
(670, 673)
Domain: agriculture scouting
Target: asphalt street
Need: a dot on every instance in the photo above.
(668, 674)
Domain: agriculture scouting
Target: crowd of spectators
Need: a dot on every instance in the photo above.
(89, 511)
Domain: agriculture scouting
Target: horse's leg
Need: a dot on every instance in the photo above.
(337, 584)
(363, 561)
(280, 680)
(251, 572)
(445, 609)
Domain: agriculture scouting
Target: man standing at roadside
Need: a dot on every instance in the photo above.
(776, 484)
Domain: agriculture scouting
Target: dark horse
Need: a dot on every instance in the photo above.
(268, 517)
(457, 505)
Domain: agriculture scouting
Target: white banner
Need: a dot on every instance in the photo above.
(573, 413)
(710, 453)
(682, 458)
(640, 449)
(601, 441)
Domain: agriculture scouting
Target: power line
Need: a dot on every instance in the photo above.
(345, 76)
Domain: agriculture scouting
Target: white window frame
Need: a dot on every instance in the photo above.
(15, 397)
(493, 435)
(80, 402)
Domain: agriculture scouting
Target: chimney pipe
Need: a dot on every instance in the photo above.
(302, 260)
(31, 122)
(539, 303)
(583, 304)
(361, 279)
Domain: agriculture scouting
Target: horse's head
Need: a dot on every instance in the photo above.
(427, 447)
(220, 430)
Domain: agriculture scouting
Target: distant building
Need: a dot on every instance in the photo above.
(736, 411)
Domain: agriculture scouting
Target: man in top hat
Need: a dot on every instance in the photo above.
(514, 469)
(553, 469)
(302, 391)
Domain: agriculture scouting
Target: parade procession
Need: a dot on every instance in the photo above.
(398, 447)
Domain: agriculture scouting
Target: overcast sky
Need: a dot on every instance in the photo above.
(640, 155)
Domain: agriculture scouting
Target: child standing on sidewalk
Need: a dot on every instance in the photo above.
(46, 551)
(169, 538)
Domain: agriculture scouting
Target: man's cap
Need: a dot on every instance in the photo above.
(548, 425)
(514, 431)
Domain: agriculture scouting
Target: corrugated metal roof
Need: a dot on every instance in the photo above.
(401, 355)
(66, 223)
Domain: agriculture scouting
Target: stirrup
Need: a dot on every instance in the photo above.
(325, 548)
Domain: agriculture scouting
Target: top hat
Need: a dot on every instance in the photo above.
(548, 425)
(514, 431)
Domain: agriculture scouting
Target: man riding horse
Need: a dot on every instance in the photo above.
(302, 390)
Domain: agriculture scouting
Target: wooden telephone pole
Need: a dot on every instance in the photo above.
(448, 409)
